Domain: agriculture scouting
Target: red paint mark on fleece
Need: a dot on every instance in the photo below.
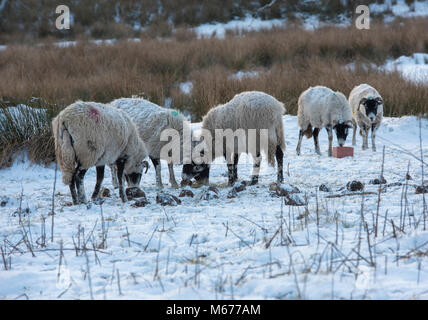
(94, 114)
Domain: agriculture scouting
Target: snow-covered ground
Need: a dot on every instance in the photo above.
(400, 8)
(247, 24)
(413, 68)
(248, 247)
(391, 10)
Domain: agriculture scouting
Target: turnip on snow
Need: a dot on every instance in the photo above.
(320, 107)
(246, 110)
(151, 120)
(91, 134)
(367, 111)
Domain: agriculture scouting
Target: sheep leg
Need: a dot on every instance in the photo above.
(100, 178)
(279, 160)
(80, 186)
(256, 169)
(230, 171)
(113, 169)
(316, 142)
(235, 167)
(73, 190)
(374, 129)
(157, 165)
(354, 140)
(120, 167)
(299, 143)
(365, 134)
(330, 141)
(172, 180)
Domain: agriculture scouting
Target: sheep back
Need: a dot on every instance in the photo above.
(151, 120)
(250, 110)
(92, 134)
(320, 107)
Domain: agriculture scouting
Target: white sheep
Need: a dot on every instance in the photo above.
(320, 107)
(151, 120)
(91, 134)
(247, 110)
(367, 111)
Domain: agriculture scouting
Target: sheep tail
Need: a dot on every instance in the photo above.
(64, 151)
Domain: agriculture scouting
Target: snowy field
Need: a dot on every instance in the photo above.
(249, 247)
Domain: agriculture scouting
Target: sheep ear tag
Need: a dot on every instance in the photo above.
(175, 113)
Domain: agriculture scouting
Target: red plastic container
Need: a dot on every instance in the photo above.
(341, 152)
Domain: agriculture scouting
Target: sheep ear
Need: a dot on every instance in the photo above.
(348, 124)
(379, 100)
(363, 101)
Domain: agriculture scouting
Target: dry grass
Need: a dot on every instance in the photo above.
(288, 61)
(26, 129)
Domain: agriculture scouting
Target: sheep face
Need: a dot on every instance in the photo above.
(133, 179)
(341, 130)
(200, 172)
(134, 172)
(369, 107)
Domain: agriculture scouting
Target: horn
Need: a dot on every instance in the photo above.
(363, 100)
(146, 165)
(379, 100)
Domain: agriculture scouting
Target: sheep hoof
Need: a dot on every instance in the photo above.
(253, 181)
(98, 201)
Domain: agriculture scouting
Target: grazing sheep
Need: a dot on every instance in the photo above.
(151, 120)
(321, 107)
(247, 110)
(93, 134)
(367, 110)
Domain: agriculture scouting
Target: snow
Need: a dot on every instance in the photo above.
(413, 68)
(66, 44)
(244, 74)
(247, 24)
(22, 114)
(186, 87)
(401, 9)
(211, 249)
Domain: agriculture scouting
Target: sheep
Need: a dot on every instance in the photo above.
(246, 110)
(151, 121)
(93, 134)
(367, 111)
(320, 107)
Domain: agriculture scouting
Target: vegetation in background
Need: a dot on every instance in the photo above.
(26, 127)
(26, 21)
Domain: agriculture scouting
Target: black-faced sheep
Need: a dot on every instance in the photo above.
(251, 110)
(91, 134)
(367, 111)
(151, 120)
(320, 107)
